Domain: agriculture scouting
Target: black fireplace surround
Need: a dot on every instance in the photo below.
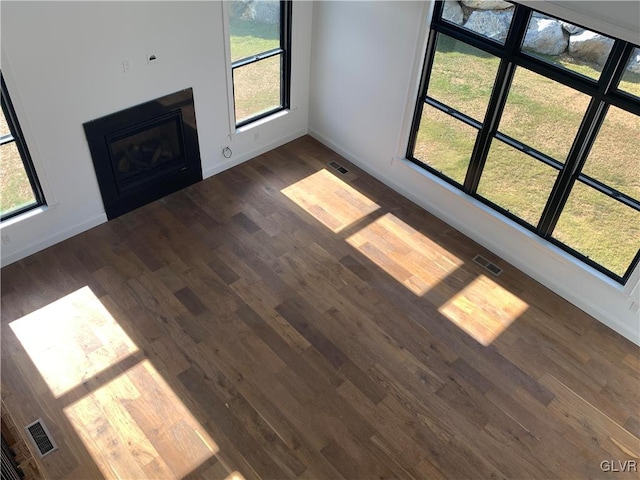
(145, 152)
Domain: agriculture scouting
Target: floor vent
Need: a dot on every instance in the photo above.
(487, 265)
(338, 167)
(41, 438)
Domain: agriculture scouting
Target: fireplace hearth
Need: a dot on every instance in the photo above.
(145, 152)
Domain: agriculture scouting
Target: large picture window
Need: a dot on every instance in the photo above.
(539, 119)
(260, 38)
(19, 187)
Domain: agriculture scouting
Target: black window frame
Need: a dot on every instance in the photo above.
(603, 93)
(17, 137)
(284, 50)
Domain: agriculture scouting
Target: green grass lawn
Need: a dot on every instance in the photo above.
(257, 86)
(15, 189)
(249, 38)
(546, 116)
(14, 184)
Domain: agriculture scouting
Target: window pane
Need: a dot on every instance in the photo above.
(4, 127)
(462, 77)
(630, 81)
(543, 114)
(15, 188)
(516, 181)
(599, 227)
(254, 27)
(566, 45)
(256, 88)
(444, 143)
(492, 24)
(615, 158)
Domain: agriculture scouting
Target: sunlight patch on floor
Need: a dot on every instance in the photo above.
(135, 426)
(329, 200)
(407, 255)
(235, 476)
(483, 309)
(130, 420)
(72, 339)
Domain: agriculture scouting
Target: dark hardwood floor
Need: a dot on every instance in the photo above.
(281, 320)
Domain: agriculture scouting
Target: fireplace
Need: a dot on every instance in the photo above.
(145, 152)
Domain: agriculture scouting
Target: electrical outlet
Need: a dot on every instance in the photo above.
(126, 66)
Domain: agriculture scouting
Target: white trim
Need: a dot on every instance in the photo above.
(27, 132)
(251, 154)
(415, 78)
(632, 288)
(227, 59)
(23, 216)
(52, 240)
(258, 123)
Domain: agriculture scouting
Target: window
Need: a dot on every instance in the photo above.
(19, 187)
(260, 38)
(539, 119)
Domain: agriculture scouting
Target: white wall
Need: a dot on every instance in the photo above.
(62, 63)
(364, 79)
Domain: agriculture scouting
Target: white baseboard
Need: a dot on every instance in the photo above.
(47, 242)
(251, 154)
(587, 305)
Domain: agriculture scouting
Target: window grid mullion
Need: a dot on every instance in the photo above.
(286, 18)
(617, 63)
(497, 101)
(256, 58)
(7, 139)
(526, 149)
(472, 122)
(609, 191)
(583, 141)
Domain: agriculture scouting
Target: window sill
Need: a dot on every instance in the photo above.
(24, 216)
(262, 121)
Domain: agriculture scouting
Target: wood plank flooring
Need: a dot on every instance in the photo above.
(284, 321)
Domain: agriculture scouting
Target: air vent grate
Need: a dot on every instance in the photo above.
(487, 265)
(338, 167)
(41, 438)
